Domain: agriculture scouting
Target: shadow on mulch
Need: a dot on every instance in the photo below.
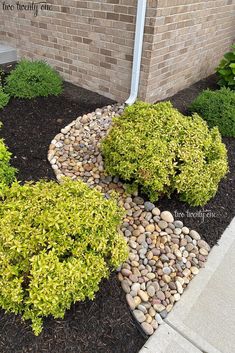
(104, 325)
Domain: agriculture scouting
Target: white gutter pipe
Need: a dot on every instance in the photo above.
(138, 47)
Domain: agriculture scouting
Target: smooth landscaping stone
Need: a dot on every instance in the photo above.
(125, 286)
(148, 329)
(130, 302)
(163, 224)
(139, 315)
(167, 216)
(159, 308)
(149, 206)
(151, 291)
(143, 295)
(156, 211)
(194, 235)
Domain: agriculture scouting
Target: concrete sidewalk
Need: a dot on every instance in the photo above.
(204, 319)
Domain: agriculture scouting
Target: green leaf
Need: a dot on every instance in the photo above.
(229, 56)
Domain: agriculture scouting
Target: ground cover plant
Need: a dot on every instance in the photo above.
(56, 244)
(218, 109)
(161, 150)
(32, 79)
(226, 69)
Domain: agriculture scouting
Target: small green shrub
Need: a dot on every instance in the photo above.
(163, 151)
(32, 79)
(7, 172)
(56, 244)
(4, 98)
(218, 109)
(226, 69)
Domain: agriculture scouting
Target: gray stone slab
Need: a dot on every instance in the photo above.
(167, 340)
(7, 54)
(206, 313)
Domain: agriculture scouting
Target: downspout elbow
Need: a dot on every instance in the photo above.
(131, 100)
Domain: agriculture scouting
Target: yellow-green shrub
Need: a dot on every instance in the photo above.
(161, 150)
(7, 172)
(56, 244)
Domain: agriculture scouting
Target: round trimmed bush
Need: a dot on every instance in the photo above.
(56, 244)
(4, 98)
(157, 148)
(31, 79)
(218, 109)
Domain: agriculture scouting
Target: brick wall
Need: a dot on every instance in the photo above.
(190, 38)
(91, 42)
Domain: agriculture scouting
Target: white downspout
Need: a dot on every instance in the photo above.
(138, 47)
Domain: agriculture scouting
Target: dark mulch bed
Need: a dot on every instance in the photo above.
(105, 325)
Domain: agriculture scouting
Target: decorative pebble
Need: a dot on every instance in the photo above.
(151, 291)
(142, 308)
(161, 295)
(156, 211)
(194, 270)
(149, 206)
(202, 244)
(150, 228)
(125, 286)
(159, 319)
(194, 235)
(167, 216)
(154, 324)
(137, 301)
(143, 295)
(162, 224)
(148, 329)
(139, 315)
(179, 287)
(159, 307)
(178, 224)
(164, 314)
(130, 302)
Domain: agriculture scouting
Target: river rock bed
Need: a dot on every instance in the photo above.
(164, 255)
(75, 151)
